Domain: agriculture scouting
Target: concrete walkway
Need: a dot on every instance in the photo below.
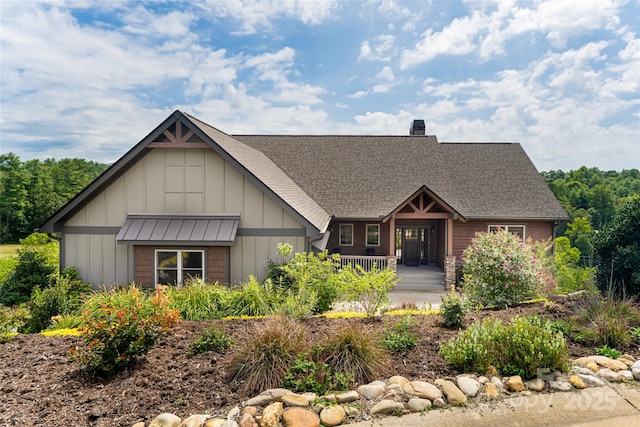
(422, 299)
(614, 406)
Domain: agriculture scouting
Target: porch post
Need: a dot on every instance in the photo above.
(392, 232)
(391, 258)
(450, 259)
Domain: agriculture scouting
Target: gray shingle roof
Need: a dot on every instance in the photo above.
(369, 176)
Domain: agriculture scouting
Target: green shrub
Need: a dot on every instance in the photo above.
(122, 324)
(400, 338)
(519, 348)
(608, 319)
(454, 309)
(569, 276)
(296, 303)
(198, 300)
(7, 265)
(12, 319)
(212, 339)
(501, 270)
(31, 271)
(316, 272)
(635, 334)
(356, 351)
(251, 299)
(607, 351)
(262, 361)
(277, 272)
(63, 297)
(310, 373)
(369, 289)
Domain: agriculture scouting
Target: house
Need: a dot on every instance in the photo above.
(189, 199)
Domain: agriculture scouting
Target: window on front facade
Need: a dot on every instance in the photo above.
(515, 229)
(346, 234)
(373, 235)
(174, 266)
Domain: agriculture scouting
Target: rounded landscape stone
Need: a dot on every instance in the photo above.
(166, 420)
(454, 395)
(416, 404)
(515, 384)
(295, 401)
(469, 386)
(299, 417)
(332, 416)
(386, 406)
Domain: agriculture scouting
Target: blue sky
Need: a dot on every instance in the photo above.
(90, 79)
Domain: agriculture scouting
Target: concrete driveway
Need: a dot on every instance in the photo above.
(616, 405)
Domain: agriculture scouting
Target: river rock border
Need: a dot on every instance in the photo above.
(397, 395)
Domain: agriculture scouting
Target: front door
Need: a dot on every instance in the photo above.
(411, 252)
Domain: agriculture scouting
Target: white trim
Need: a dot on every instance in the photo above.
(507, 226)
(178, 268)
(340, 235)
(366, 234)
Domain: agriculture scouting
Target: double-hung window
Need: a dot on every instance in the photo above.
(514, 229)
(174, 266)
(346, 234)
(373, 234)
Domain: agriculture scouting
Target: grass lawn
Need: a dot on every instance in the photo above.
(8, 250)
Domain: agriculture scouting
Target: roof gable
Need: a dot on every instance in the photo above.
(180, 130)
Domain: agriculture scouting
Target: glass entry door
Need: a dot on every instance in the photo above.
(412, 245)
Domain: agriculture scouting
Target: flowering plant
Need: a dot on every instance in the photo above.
(501, 270)
(121, 325)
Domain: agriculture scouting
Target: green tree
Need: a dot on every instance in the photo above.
(580, 233)
(14, 181)
(602, 202)
(31, 191)
(617, 249)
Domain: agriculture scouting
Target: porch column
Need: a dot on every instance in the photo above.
(392, 262)
(392, 232)
(450, 259)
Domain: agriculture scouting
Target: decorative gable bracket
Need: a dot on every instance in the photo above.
(178, 135)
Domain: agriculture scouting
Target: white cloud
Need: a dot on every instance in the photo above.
(273, 66)
(455, 39)
(386, 74)
(257, 15)
(486, 33)
(380, 48)
(144, 22)
(359, 94)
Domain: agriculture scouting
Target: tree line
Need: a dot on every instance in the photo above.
(591, 197)
(33, 190)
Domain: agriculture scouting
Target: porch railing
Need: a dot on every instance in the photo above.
(365, 261)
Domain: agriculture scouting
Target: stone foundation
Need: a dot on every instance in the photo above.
(392, 263)
(449, 271)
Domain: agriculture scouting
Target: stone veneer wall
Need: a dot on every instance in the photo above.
(392, 262)
(449, 271)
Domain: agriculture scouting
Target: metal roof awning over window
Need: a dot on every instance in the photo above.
(179, 230)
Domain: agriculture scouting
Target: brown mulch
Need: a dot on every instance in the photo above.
(40, 386)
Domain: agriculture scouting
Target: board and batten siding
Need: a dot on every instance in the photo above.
(178, 181)
(463, 232)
